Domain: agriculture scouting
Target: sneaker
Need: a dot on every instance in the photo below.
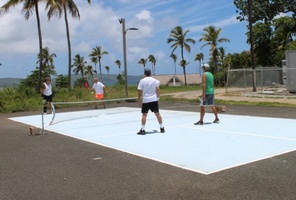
(216, 121)
(198, 123)
(141, 132)
(162, 130)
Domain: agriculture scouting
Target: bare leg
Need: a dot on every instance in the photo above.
(103, 103)
(202, 113)
(214, 109)
(159, 118)
(144, 116)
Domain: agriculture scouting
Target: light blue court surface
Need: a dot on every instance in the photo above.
(207, 149)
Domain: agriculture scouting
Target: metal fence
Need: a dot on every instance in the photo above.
(265, 77)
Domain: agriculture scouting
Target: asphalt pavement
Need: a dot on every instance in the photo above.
(54, 166)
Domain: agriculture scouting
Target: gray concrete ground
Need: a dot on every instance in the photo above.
(53, 166)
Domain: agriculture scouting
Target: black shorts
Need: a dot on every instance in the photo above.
(47, 98)
(153, 106)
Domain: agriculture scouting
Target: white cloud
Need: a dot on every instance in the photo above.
(99, 26)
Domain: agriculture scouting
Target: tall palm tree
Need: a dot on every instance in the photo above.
(80, 65)
(97, 52)
(118, 63)
(174, 57)
(152, 59)
(57, 8)
(94, 60)
(200, 58)
(143, 62)
(178, 38)
(28, 8)
(47, 61)
(211, 38)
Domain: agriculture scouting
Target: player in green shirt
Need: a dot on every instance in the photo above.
(207, 98)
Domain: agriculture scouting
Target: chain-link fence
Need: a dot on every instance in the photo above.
(265, 77)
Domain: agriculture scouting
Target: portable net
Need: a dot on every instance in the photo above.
(81, 105)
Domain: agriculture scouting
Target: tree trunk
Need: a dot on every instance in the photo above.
(69, 48)
(252, 43)
(184, 72)
(40, 48)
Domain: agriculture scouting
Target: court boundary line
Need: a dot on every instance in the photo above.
(185, 126)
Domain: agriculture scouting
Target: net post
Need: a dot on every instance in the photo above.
(53, 113)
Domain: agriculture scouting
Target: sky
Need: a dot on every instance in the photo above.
(99, 26)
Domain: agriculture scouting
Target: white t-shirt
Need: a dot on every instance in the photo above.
(48, 90)
(98, 87)
(149, 86)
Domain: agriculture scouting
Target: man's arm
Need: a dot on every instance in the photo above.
(42, 88)
(105, 88)
(204, 80)
(158, 93)
(140, 92)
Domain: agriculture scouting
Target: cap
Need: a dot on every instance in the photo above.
(205, 65)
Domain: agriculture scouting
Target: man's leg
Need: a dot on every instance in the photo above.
(159, 118)
(144, 116)
(143, 122)
(214, 109)
(202, 113)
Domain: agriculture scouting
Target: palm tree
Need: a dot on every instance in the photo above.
(89, 72)
(118, 63)
(200, 58)
(94, 60)
(97, 52)
(174, 57)
(28, 7)
(178, 38)
(183, 64)
(143, 62)
(221, 54)
(108, 69)
(47, 61)
(211, 37)
(152, 59)
(58, 7)
(80, 64)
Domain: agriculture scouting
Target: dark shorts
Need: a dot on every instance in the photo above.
(209, 101)
(47, 98)
(153, 106)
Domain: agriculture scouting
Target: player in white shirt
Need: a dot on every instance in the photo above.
(148, 96)
(99, 91)
(47, 94)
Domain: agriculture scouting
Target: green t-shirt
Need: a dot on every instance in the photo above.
(209, 83)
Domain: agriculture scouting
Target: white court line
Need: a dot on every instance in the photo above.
(239, 133)
(249, 162)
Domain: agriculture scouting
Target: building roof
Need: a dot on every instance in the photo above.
(192, 79)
